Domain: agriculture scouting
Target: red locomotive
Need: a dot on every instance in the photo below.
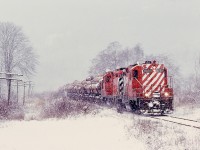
(145, 88)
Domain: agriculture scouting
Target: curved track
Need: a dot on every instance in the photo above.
(180, 121)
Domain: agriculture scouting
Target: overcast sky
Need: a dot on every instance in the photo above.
(67, 34)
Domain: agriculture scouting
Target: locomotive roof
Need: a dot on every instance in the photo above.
(133, 65)
(122, 68)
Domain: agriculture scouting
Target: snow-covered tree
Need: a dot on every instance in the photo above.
(129, 56)
(138, 53)
(115, 56)
(197, 73)
(106, 59)
(16, 52)
(191, 85)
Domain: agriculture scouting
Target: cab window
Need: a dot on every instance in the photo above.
(108, 78)
(159, 70)
(147, 70)
(135, 74)
(165, 72)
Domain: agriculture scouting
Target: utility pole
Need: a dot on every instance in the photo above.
(24, 93)
(9, 78)
(0, 89)
(18, 90)
(0, 85)
(18, 84)
(29, 88)
(26, 83)
(1, 78)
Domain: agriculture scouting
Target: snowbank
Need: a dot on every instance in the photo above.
(89, 132)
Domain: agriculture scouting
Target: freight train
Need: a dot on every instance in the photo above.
(142, 88)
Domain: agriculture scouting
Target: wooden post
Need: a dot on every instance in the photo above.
(9, 90)
(17, 91)
(24, 93)
(29, 88)
(0, 88)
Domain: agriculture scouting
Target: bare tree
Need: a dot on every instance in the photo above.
(125, 57)
(16, 52)
(115, 56)
(191, 85)
(130, 56)
(138, 53)
(113, 49)
(106, 59)
(168, 61)
(197, 72)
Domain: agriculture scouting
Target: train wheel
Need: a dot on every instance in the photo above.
(109, 102)
(133, 106)
(138, 112)
(120, 106)
(103, 101)
(162, 113)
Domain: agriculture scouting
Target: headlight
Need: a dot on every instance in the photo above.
(150, 104)
(146, 95)
(157, 103)
(166, 94)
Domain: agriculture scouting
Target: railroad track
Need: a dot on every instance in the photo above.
(180, 121)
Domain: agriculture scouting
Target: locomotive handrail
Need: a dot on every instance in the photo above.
(170, 81)
(138, 81)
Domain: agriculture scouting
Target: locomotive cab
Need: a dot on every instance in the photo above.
(150, 90)
(107, 86)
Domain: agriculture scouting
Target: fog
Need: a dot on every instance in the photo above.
(67, 34)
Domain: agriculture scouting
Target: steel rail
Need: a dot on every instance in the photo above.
(173, 121)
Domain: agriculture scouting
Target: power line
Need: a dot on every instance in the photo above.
(9, 78)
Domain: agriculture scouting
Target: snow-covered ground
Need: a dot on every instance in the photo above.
(104, 129)
(101, 132)
(188, 112)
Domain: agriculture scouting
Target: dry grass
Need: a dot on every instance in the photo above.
(12, 112)
(164, 136)
(59, 108)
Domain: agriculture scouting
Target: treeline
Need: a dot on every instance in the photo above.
(17, 58)
(115, 56)
(191, 85)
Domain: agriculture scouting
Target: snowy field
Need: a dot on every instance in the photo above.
(102, 130)
(188, 112)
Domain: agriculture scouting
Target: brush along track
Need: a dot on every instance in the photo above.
(180, 121)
